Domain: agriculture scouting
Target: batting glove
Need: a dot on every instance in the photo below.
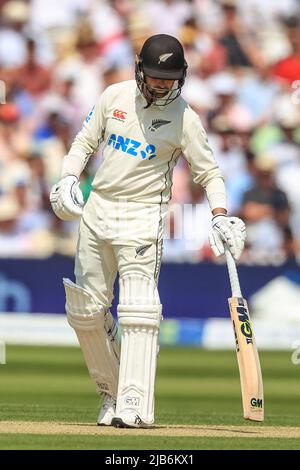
(229, 231)
(66, 198)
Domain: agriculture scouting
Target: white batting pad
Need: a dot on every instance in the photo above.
(139, 314)
(97, 334)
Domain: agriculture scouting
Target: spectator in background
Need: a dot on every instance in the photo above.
(48, 15)
(265, 15)
(32, 76)
(286, 116)
(167, 16)
(10, 243)
(232, 159)
(236, 39)
(61, 99)
(16, 239)
(14, 17)
(230, 125)
(138, 29)
(266, 211)
(84, 65)
(13, 142)
(109, 21)
(264, 88)
(51, 137)
(203, 51)
(288, 69)
(32, 216)
(287, 154)
(225, 86)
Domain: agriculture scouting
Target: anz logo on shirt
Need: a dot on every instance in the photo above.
(132, 147)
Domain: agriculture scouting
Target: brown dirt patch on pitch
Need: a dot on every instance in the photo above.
(86, 429)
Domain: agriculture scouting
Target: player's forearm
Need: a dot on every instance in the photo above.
(204, 168)
(86, 143)
(216, 195)
(73, 164)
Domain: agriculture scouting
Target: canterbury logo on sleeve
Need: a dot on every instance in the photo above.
(119, 115)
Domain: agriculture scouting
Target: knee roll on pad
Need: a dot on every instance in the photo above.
(139, 313)
(139, 302)
(96, 331)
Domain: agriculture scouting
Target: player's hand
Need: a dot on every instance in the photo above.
(229, 231)
(66, 198)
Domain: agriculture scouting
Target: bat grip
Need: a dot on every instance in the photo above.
(233, 275)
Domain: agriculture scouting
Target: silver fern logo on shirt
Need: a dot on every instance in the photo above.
(157, 123)
(165, 57)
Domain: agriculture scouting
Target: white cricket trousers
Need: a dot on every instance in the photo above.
(117, 236)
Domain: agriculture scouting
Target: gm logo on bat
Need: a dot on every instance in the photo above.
(131, 147)
(256, 402)
(245, 324)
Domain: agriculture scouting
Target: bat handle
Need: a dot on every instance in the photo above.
(233, 275)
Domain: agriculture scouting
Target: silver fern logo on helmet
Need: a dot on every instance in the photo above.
(165, 57)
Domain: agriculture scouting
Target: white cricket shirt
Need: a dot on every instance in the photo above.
(141, 147)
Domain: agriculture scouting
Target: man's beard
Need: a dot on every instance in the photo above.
(159, 92)
(159, 96)
(156, 93)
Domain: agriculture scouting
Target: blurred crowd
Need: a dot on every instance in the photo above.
(57, 56)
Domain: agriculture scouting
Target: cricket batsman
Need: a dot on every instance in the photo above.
(144, 125)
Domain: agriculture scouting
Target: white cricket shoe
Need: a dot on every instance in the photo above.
(129, 420)
(107, 411)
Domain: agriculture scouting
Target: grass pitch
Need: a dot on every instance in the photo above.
(48, 402)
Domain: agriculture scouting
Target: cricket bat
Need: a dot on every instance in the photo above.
(246, 350)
